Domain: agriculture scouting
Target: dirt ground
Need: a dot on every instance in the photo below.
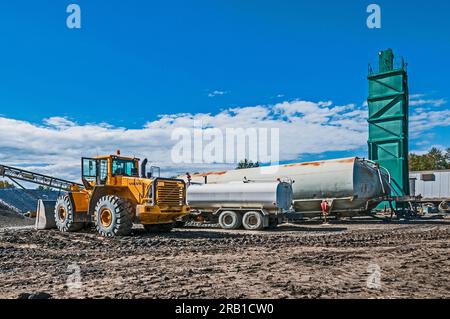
(364, 259)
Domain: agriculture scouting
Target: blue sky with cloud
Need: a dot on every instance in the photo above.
(114, 83)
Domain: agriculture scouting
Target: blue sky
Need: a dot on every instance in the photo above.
(133, 61)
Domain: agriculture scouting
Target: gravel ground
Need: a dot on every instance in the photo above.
(365, 259)
(12, 219)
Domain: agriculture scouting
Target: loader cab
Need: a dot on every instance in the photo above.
(98, 170)
(121, 166)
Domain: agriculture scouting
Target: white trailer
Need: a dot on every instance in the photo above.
(432, 189)
(254, 206)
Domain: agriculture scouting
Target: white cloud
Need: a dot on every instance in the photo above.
(416, 96)
(56, 146)
(426, 120)
(420, 100)
(426, 114)
(58, 122)
(430, 102)
(216, 93)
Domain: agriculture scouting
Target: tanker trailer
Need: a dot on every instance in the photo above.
(253, 205)
(351, 186)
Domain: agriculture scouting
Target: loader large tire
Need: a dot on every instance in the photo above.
(65, 215)
(113, 216)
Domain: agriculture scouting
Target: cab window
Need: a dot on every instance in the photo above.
(89, 169)
(103, 170)
(95, 170)
(123, 167)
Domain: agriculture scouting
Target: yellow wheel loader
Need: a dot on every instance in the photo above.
(114, 196)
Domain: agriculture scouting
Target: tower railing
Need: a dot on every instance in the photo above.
(398, 65)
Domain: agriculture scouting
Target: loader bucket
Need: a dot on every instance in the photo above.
(45, 216)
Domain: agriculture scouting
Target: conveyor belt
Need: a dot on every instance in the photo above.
(14, 174)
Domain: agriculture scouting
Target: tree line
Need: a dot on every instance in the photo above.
(435, 159)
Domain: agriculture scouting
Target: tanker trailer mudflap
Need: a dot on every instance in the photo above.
(45, 216)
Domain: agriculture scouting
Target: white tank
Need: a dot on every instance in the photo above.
(354, 184)
(271, 196)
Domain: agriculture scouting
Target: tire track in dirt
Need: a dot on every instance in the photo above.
(295, 261)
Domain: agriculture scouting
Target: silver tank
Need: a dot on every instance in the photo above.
(354, 185)
(270, 196)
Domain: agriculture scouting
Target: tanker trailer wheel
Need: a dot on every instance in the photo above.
(113, 216)
(230, 220)
(64, 215)
(253, 221)
(444, 207)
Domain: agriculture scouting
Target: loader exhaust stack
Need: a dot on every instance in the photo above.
(143, 168)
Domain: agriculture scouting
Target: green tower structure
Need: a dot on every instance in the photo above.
(388, 105)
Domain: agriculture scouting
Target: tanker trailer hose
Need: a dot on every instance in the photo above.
(381, 181)
(378, 168)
